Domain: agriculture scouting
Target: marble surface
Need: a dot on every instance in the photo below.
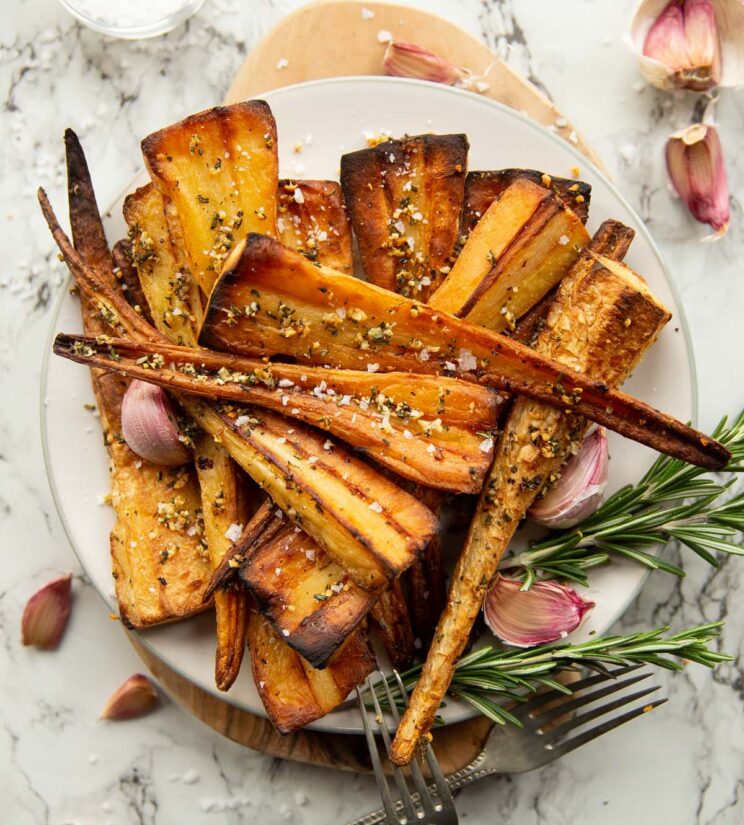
(57, 764)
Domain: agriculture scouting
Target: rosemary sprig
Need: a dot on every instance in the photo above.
(489, 674)
(673, 500)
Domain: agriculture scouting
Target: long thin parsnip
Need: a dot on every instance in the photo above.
(390, 332)
(603, 320)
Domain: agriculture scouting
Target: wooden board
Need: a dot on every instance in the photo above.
(331, 38)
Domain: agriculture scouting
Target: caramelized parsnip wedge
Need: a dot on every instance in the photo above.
(387, 331)
(219, 170)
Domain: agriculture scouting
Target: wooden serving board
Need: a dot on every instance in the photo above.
(331, 38)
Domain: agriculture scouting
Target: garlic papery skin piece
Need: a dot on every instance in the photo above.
(410, 60)
(133, 698)
(689, 44)
(46, 614)
(696, 168)
(578, 492)
(547, 612)
(149, 426)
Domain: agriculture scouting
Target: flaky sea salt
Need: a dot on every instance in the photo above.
(233, 532)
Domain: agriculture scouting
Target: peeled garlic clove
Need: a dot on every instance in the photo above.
(149, 426)
(409, 60)
(690, 44)
(694, 159)
(578, 491)
(547, 612)
(46, 613)
(134, 698)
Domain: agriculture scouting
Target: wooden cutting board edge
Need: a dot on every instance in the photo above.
(331, 38)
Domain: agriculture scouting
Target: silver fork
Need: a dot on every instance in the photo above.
(508, 749)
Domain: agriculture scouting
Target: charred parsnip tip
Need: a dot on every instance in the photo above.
(390, 332)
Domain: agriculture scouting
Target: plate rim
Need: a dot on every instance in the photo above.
(346, 81)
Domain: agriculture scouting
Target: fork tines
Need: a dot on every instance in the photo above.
(431, 804)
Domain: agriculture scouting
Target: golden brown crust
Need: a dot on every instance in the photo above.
(314, 222)
(392, 332)
(292, 691)
(308, 598)
(523, 245)
(482, 189)
(405, 201)
(390, 417)
(219, 169)
(602, 322)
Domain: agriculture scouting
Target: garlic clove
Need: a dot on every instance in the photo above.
(547, 612)
(689, 44)
(578, 492)
(409, 60)
(133, 698)
(696, 167)
(149, 426)
(46, 614)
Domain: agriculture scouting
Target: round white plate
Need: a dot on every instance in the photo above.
(329, 118)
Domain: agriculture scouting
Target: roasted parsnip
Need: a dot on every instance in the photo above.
(308, 598)
(522, 246)
(424, 428)
(482, 189)
(158, 557)
(387, 331)
(603, 320)
(312, 220)
(393, 624)
(219, 170)
(293, 692)
(405, 201)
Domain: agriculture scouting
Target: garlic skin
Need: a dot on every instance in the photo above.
(696, 168)
(689, 44)
(578, 492)
(410, 60)
(46, 614)
(133, 698)
(149, 426)
(547, 612)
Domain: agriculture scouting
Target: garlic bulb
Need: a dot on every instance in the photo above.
(149, 426)
(46, 613)
(133, 698)
(547, 612)
(690, 44)
(578, 492)
(694, 159)
(409, 60)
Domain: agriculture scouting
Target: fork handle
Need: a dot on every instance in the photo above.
(465, 776)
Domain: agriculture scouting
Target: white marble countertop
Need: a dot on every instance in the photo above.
(57, 765)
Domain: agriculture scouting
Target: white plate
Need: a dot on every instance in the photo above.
(336, 113)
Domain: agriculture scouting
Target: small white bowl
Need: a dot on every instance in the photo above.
(122, 18)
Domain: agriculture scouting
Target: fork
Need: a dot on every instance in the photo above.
(543, 738)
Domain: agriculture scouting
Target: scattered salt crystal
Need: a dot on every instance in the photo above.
(242, 420)
(563, 240)
(431, 449)
(639, 85)
(282, 63)
(376, 507)
(407, 434)
(486, 445)
(328, 445)
(467, 360)
(482, 86)
(298, 196)
(573, 137)
(312, 459)
(310, 555)
(373, 367)
(233, 532)
(294, 411)
(277, 571)
(423, 355)
(384, 36)
(560, 122)
(341, 312)
(285, 400)
(285, 382)
(448, 365)
(345, 399)
(285, 633)
(367, 14)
